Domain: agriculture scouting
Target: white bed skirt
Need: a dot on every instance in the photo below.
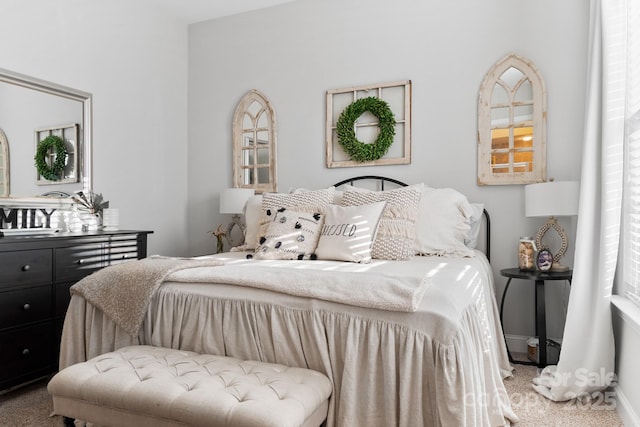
(386, 370)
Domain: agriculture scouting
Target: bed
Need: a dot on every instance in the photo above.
(405, 341)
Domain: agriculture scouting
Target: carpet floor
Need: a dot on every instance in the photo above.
(31, 406)
(534, 410)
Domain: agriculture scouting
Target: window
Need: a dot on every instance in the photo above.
(254, 144)
(511, 124)
(631, 203)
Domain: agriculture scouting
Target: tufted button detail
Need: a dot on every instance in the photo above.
(188, 387)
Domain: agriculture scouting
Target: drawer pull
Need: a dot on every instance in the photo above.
(26, 267)
(26, 307)
(25, 352)
(80, 261)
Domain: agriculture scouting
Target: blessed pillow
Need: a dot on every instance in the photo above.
(348, 232)
(290, 235)
(444, 223)
(396, 235)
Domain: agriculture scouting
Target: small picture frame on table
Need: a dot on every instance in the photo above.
(544, 260)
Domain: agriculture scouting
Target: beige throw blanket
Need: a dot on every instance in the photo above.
(123, 291)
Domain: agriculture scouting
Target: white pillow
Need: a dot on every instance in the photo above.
(252, 215)
(348, 232)
(475, 224)
(397, 231)
(443, 223)
(290, 235)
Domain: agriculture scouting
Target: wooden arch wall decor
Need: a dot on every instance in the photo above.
(5, 189)
(512, 124)
(254, 143)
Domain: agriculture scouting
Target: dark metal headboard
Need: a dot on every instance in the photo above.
(383, 179)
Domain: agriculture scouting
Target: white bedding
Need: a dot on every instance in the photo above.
(440, 365)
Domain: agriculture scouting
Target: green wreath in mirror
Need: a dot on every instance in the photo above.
(51, 172)
(345, 128)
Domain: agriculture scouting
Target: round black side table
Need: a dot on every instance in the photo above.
(541, 323)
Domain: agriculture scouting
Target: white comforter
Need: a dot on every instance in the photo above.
(440, 365)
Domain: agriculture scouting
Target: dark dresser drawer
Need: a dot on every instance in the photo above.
(25, 267)
(123, 248)
(75, 262)
(26, 353)
(25, 306)
(36, 272)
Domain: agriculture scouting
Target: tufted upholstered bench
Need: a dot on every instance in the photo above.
(155, 386)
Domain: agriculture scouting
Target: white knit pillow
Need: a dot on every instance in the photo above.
(348, 232)
(290, 235)
(396, 235)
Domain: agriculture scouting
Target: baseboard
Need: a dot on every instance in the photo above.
(624, 409)
(518, 343)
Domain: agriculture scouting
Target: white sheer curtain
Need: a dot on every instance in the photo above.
(586, 362)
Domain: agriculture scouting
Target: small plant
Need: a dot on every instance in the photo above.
(90, 202)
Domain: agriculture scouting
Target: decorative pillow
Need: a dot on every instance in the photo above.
(252, 216)
(475, 225)
(349, 232)
(397, 230)
(306, 201)
(444, 223)
(290, 235)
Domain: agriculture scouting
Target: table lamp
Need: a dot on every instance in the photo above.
(552, 199)
(232, 201)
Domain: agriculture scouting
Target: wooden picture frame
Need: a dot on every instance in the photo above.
(397, 95)
(69, 134)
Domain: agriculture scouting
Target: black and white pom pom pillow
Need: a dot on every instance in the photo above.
(291, 235)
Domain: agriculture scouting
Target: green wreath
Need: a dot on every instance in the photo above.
(52, 173)
(345, 128)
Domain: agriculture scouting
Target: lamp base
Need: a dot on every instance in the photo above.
(558, 268)
(564, 243)
(235, 221)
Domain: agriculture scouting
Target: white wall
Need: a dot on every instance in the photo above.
(295, 52)
(134, 62)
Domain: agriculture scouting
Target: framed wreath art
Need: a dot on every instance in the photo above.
(56, 153)
(369, 125)
(51, 145)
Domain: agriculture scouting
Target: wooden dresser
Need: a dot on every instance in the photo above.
(36, 273)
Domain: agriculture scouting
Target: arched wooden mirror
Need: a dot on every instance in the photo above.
(4, 165)
(254, 144)
(512, 110)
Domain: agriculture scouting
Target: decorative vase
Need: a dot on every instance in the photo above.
(526, 254)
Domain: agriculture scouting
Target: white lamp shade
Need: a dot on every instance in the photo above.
(232, 200)
(554, 198)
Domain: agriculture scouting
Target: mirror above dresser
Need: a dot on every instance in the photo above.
(32, 110)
